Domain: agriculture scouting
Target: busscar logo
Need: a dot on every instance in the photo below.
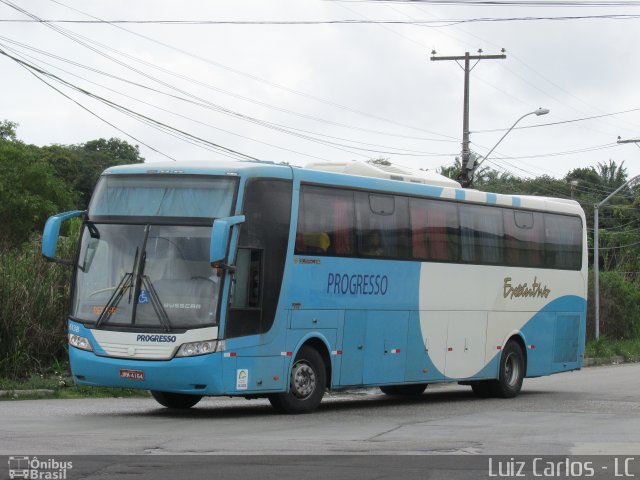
(36, 469)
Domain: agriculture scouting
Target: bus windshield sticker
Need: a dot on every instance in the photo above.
(143, 298)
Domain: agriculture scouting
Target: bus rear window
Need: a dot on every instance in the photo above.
(163, 196)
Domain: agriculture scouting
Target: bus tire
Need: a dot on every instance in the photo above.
(175, 400)
(482, 389)
(412, 390)
(307, 383)
(511, 372)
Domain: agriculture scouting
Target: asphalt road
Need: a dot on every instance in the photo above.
(594, 411)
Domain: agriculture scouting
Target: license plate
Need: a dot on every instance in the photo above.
(132, 374)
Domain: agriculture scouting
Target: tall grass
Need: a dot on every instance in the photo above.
(34, 301)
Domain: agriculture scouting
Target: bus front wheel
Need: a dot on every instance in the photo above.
(307, 382)
(175, 400)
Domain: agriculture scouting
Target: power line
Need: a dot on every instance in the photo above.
(567, 152)
(512, 3)
(256, 77)
(121, 108)
(618, 247)
(76, 38)
(282, 130)
(177, 114)
(561, 122)
(92, 112)
(345, 21)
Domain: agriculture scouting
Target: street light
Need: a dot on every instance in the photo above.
(596, 244)
(538, 112)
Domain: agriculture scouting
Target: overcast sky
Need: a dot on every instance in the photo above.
(306, 92)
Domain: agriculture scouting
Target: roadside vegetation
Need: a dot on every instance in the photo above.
(37, 182)
(56, 382)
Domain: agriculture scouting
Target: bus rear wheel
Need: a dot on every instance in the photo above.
(175, 400)
(307, 382)
(405, 390)
(511, 373)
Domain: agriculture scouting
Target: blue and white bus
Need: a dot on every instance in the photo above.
(261, 280)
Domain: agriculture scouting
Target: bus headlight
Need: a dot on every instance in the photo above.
(80, 342)
(200, 348)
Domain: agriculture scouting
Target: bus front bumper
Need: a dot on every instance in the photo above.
(199, 375)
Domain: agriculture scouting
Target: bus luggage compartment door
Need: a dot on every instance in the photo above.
(374, 347)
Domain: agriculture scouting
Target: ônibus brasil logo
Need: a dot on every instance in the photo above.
(33, 468)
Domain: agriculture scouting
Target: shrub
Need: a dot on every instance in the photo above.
(34, 301)
(619, 307)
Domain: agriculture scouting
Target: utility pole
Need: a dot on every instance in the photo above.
(464, 177)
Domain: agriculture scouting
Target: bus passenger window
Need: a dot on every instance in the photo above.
(325, 222)
(524, 238)
(373, 244)
(482, 234)
(383, 225)
(434, 230)
(563, 241)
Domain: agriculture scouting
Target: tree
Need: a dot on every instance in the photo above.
(611, 175)
(81, 165)
(8, 130)
(30, 192)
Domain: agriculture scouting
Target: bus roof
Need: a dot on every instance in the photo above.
(248, 168)
(349, 180)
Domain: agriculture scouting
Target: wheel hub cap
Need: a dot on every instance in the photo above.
(303, 380)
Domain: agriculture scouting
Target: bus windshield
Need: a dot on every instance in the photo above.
(162, 197)
(152, 276)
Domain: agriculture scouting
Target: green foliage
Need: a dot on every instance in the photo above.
(37, 182)
(619, 307)
(34, 298)
(79, 166)
(606, 348)
(8, 130)
(56, 382)
(30, 192)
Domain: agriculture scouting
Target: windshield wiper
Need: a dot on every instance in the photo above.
(156, 304)
(125, 283)
(144, 280)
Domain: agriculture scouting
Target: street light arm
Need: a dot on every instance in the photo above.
(538, 112)
(626, 184)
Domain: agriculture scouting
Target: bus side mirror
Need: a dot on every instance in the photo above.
(52, 232)
(220, 237)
